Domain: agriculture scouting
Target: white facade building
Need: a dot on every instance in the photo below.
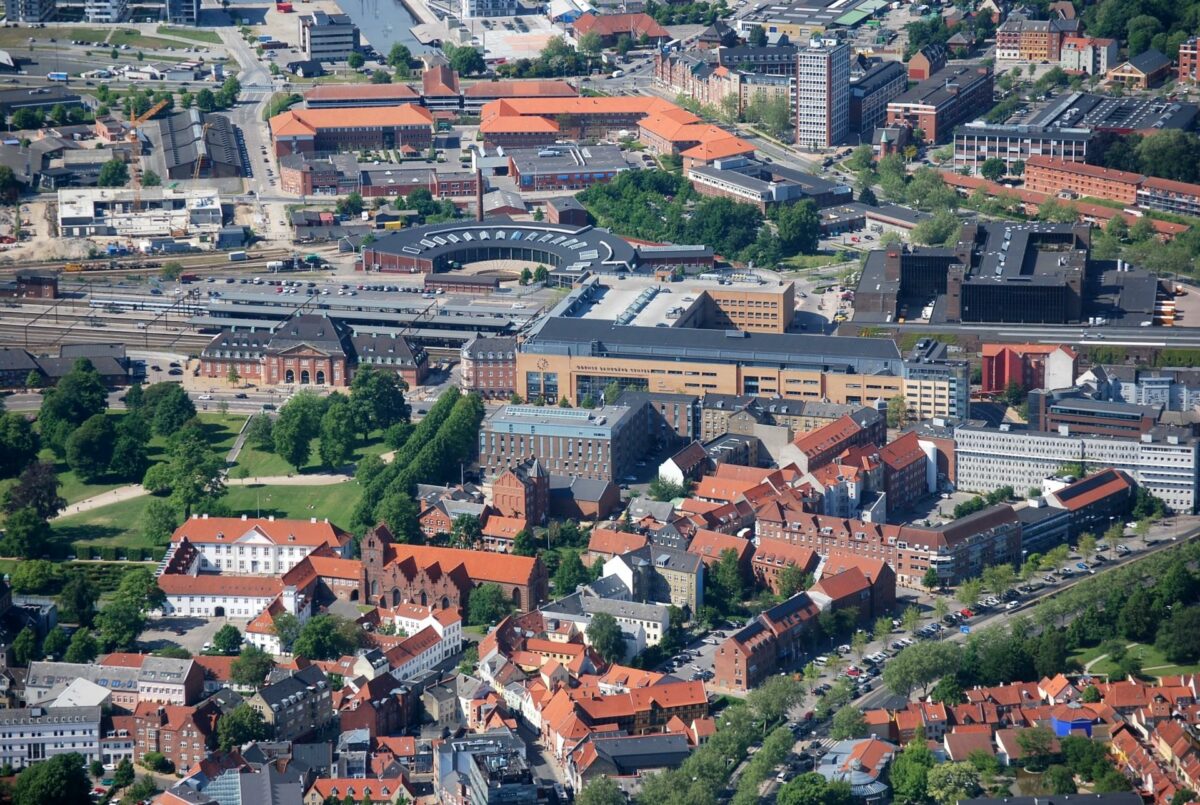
(31, 734)
(254, 547)
(822, 94)
(642, 625)
(110, 211)
(1163, 461)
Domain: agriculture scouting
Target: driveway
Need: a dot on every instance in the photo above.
(196, 631)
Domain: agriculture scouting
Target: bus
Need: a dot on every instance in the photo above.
(57, 77)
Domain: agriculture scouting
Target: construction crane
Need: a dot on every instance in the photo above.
(201, 151)
(135, 122)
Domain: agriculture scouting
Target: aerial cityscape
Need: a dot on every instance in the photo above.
(497, 402)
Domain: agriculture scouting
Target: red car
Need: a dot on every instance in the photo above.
(966, 613)
(853, 672)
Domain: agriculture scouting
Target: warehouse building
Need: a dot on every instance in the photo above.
(195, 145)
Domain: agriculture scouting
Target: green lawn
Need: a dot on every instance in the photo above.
(115, 524)
(136, 39)
(119, 524)
(255, 463)
(207, 37)
(798, 262)
(222, 431)
(335, 501)
(1154, 664)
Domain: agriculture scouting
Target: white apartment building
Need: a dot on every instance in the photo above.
(822, 94)
(488, 8)
(1163, 461)
(30, 734)
(327, 37)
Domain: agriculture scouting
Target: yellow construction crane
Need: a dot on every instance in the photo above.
(200, 152)
(135, 176)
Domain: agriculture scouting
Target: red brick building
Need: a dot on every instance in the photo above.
(821, 446)
(310, 350)
(905, 479)
(376, 707)
(1189, 61)
(867, 586)
(180, 734)
(1053, 176)
(710, 545)
(442, 578)
(1030, 366)
(957, 550)
(771, 556)
(925, 62)
(950, 96)
(489, 366)
(523, 492)
(316, 131)
(773, 640)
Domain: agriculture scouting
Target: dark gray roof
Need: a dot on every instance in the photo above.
(1029, 515)
(14, 359)
(564, 203)
(1026, 132)
(185, 139)
(591, 337)
(507, 345)
(629, 753)
(312, 330)
(92, 351)
(1150, 61)
(933, 91)
(878, 76)
(589, 489)
(295, 684)
(105, 365)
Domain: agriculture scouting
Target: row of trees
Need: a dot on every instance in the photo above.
(432, 452)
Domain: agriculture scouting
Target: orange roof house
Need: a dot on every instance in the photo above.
(610, 27)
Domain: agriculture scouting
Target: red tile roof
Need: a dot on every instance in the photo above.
(634, 25)
(479, 565)
(307, 533)
(609, 541)
(845, 585)
(709, 545)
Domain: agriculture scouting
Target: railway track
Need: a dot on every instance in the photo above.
(202, 263)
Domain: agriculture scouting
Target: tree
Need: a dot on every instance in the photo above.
(605, 636)
(55, 644)
(948, 691)
(897, 412)
(601, 791)
(26, 534)
(242, 725)
(337, 434)
(940, 229)
(883, 628)
(119, 624)
(1036, 747)
(355, 60)
(848, 722)
(123, 774)
(251, 667)
(82, 648)
(90, 447)
(25, 647)
(168, 408)
(570, 573)
(813, 789)
(799, 228)
(227, 640)
(726, 580)
(191, 473)
(911, 617)
(590, 43)
(1059, 780)
(465, 60)
(31, 577)
(326, 637)
(1087, 545)
(993, 168)
(18, 444)
(488, 605)
(298, 424)
(910, 771)
(526, 276)
(861, 159)
(791, 580)
(37, 489)
(772, 699)
(378, 397)
(287, 628)
(541, 273)
(1179, 637)
(968, 591)
(867, 196)
(399, 57)
(159, 521)
(151, 179)
(757, 37)
(259, 433)
(523, 544)
(930, 580)
(61, 780)
(947, 783)
(27, 119)
(113, 174)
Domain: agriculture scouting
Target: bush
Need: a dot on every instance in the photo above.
(155, 761)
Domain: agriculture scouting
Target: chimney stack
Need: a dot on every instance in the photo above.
(478, 194)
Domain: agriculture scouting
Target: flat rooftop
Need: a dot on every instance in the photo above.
(834, 354)
(568, 158)
(1082, 110)
(652, 302)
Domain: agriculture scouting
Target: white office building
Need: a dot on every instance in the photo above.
(822, 94)
(1164, 461)
(105, 10)
(31, 734)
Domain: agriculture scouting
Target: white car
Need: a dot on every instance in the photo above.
(204, 397)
